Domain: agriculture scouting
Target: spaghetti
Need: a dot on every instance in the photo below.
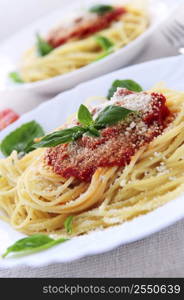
(35, 199)
(78, 47)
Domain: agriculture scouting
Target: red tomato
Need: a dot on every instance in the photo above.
(7, 116)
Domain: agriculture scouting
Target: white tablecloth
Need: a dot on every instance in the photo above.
(161, 255)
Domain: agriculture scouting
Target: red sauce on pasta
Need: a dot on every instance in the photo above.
(116, 144)
(83, 27)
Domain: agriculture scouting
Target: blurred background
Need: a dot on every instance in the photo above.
(14, 14)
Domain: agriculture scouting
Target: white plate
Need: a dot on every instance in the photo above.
(12, 49)
(171, 71)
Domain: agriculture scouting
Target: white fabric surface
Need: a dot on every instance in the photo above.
(160, 255)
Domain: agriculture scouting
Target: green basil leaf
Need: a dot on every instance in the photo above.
(127, 83)
(22, 138)
(43, 47)
(104, 42)
(37, 242)
(84, 116)
(106, 53)
(60, 137)
(93, 132)
(101, 9)
(68, 224)
(111, 115)
(15, 76)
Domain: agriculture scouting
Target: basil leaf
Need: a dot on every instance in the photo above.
(33, 243)
(84, 116)
(60, 137)
(127, 83)
(22, 138)
(15, 76)
(103, 55)
(68, 224)
(101, 9)
(111, 115)
(104, 42)
(43, 47)
(93, 132)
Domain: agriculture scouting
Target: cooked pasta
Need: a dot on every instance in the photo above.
(34, 199)
(79, 52)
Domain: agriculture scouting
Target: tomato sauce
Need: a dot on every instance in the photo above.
(84, 28)
(7, 117)
(116, 144)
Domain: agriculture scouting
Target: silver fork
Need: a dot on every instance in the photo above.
(173, 30)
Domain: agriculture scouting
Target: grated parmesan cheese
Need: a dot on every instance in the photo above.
(135, 101)
(113, 220)
(157, 154)
(123, 183)
(162, 169)
(171, 178)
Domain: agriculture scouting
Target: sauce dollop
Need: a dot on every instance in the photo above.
(116, 144)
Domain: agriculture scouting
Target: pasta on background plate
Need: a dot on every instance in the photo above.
(78, 41)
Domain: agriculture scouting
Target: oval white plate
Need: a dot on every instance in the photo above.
(52, 114)
(13, 48)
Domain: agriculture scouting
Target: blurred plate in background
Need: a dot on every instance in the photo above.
(13, 48)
